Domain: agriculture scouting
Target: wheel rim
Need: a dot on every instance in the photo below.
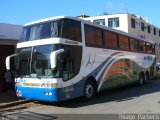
(89, 91)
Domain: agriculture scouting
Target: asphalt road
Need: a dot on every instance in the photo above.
(114, 104)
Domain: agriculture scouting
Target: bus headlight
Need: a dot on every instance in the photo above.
(50, 85)
(18, 84)
(48, 93)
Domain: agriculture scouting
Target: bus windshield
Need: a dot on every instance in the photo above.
(35, 61)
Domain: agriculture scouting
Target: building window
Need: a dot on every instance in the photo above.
(142, 26)
(154, 31)
(159, 33)
(113, 22)
(133, 23)
(149, 29)
(100, 21)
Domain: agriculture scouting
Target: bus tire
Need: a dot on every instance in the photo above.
(89, 89)
(141, 79)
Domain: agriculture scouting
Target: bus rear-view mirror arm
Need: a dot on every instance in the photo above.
(53, 58)
(8, 61)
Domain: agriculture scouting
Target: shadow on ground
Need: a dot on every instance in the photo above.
(117, 95)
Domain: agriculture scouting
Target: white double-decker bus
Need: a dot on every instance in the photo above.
(61, 58)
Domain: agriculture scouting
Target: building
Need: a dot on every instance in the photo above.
(9, 37)
(132, 24)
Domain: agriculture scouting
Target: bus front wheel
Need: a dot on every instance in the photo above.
(89, 90)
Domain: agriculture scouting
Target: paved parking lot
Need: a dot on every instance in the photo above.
(127, 100)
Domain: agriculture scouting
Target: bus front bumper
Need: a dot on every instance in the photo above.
(44, 94)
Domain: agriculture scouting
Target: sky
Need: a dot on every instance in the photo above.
(24, 11)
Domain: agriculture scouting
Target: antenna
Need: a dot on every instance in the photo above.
(123, 7)
(109, 7)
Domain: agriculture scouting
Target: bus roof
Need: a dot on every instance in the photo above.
(89, 23)
(50, 19)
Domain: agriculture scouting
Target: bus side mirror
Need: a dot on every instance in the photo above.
(8, 61)
(53, 58)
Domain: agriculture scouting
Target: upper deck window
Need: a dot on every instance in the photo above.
(41, 31)
(71, 30)
(123, 42)
(93, 36)
(142, 46)
(110, 39)
(133, 44)
(65, 28)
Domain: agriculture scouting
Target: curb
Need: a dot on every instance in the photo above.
(6, 105)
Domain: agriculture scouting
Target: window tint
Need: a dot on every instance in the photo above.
(123, 42)
(142, 47)
(133, 44)
(72, 30)
(110, 39)
(93, 36)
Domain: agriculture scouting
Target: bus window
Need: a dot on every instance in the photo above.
(114, 40)
(98, 37)
(107, 39)
(110, 39)
(71, 30)
(153, 48)
(142, 46)
(70, 61)
(133, 44)
(149, 48)
(89, 36)
(93, 36)
(123, 42)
